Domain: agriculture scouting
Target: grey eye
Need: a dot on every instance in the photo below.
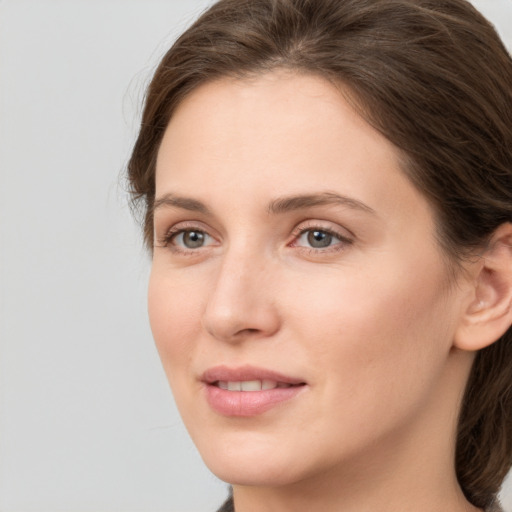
(192, 239)
(319, 239)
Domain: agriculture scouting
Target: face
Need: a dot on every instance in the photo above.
(298, 298)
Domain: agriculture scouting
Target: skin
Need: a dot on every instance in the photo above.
(368, 321)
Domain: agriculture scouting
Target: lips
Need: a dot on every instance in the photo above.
(248, 391)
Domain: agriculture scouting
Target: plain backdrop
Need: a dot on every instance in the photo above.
(87, 422)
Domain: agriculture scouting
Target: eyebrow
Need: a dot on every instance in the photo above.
(277, 206)
(184, 203)
(291, 203)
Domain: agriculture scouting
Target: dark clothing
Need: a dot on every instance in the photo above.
(228, 506)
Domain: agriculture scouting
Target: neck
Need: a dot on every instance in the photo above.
(366, 489)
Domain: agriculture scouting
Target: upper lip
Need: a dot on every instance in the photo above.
(246, 373)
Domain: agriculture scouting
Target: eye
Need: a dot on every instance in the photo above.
(191, 239)
(317, 238)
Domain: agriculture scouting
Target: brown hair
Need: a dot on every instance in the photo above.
(435, 79)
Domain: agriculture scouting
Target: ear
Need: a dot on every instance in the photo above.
(488, 313)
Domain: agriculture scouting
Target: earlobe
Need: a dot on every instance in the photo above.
(489, 313)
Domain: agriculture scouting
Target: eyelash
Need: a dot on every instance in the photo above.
(174, 232)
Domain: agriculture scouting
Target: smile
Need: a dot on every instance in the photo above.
(251, 385)
(248, 391)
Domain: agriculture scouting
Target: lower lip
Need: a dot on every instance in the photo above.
(248, 403)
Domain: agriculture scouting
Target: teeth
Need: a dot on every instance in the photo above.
(234, 386)
(268, 384)
(251, 385)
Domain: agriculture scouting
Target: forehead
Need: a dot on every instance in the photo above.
(281, 103)
(277, 133)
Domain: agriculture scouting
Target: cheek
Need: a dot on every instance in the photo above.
(377, 334)
(174, 316)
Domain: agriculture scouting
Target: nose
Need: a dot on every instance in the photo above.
(242, 303)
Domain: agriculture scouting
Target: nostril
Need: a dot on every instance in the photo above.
(249, 331)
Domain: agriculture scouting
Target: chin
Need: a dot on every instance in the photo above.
(251, 465)
(249, 474)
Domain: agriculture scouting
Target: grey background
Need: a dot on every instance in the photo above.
(87, 423)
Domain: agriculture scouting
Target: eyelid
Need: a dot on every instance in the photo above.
(323, 225)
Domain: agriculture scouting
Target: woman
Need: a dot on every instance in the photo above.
(327, 191)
